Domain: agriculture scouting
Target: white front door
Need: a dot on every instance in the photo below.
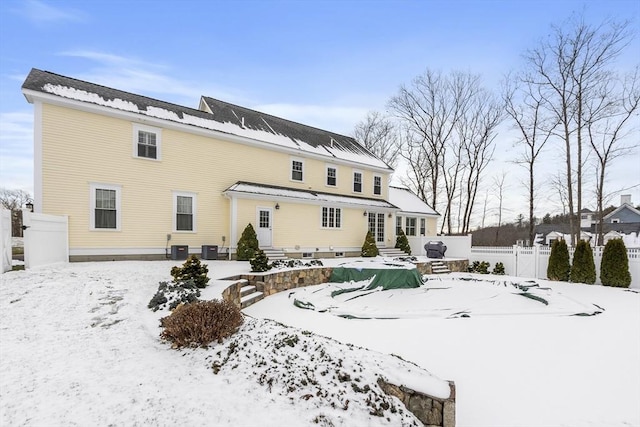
(265, 225)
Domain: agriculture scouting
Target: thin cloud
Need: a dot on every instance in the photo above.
(41, 13)
(16, 150)
(145, 77)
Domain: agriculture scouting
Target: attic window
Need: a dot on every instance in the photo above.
(146, 142)
(297, 170)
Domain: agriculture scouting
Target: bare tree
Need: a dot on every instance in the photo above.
(499, 185)
(608, 124)
(379, 135)
(567, 67)
(450, 122)
(14, 200)
(524, 106)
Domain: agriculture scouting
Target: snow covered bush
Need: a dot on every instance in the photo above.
(402, 243)
(481, 267)
(369, 248)
(498, 269)
(201, 323)
(559, 267)
(248, 244)
(192, 270)
(260, 262)
(170, 295)
(614, 269)
(583, 268)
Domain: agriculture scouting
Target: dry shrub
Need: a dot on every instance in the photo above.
(200, 323)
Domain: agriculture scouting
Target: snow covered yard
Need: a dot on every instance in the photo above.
(78, 346)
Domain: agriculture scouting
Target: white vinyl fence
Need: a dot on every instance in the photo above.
(5, 239)
(533, 261)
(46, 239)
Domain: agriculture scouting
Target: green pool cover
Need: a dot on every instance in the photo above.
(387, 278)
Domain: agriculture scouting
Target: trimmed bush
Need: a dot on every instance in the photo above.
(200, 323)
(402, 243)
(369, 248)
(260, 262)
(498, 269)
(248, 244)
(614, 269)
(559, 266)
(481, 267)
(583, 268)
(191, 270)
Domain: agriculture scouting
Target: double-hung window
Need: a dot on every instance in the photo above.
(377, 185)
(357, 182)
(332, 176)
(331, 217)
(410, 229)
(398, 225)
(105, 207)
(423, 226)
(184, 211)
(297, 170)
(146, 142)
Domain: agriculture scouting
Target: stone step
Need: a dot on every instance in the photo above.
(438, 267)
(274, 254)
(250, 299)
(391, 252)
(247, 289)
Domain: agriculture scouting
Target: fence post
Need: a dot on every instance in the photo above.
(515, 259)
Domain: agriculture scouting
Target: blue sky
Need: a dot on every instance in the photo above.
(323, 63)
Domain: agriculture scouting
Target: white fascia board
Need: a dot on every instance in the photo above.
(258, 196)
(33, 96)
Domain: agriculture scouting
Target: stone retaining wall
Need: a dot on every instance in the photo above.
(432, 411)
(273, 282)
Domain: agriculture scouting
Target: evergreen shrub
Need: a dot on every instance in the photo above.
(200, 323)
(498, 269)
(369, 248)
(614, 269)
(260, 262)
(583, 267)
(191, 270)
(402, 243)
(559, 266)
(248, 244)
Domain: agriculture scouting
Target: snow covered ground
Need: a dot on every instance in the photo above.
(78, 346)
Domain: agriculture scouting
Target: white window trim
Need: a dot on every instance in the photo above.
(341, 218)
(353, 181)
(407, 219)
(158, 131)
(93, 186)
(373, 188)
(326, 175)
(174, 211)
(295, 159)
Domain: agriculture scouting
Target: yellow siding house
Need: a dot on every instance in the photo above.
(137, 175)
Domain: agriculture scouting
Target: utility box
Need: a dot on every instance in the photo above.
(209, 252)
(179, 252)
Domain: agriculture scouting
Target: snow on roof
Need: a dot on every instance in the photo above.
(250, 188)
(222, 118)
(409, 202)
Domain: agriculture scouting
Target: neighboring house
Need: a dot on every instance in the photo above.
(587, 217)
(136, 175)
(623, 214)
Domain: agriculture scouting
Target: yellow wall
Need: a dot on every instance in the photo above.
(80, 148)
